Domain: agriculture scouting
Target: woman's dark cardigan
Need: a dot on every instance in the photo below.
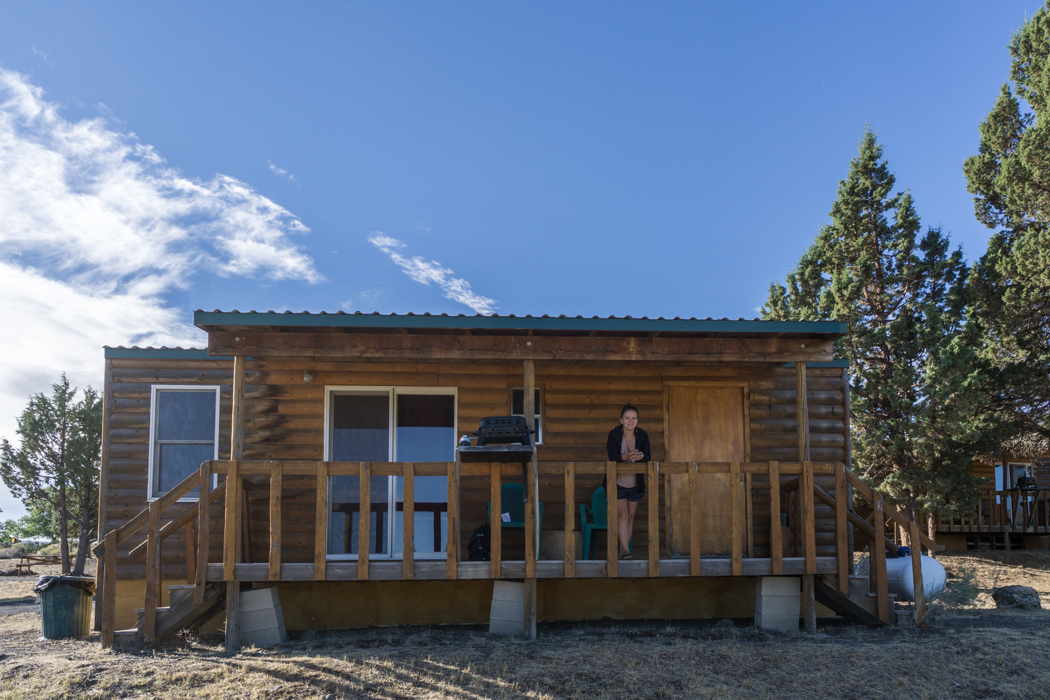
(641, 443)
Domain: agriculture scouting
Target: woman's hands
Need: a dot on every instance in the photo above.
(632, 456)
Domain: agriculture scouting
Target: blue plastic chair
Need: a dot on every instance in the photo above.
(512, 499)
(597, 513)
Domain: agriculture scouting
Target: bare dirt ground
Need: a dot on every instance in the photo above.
(969, 650)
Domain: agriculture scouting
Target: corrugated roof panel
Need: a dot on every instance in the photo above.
(357, 319)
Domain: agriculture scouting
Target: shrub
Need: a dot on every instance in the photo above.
(54, 549)
(960, 589)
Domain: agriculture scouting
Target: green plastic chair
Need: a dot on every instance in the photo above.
(597, 513)
(512, 499)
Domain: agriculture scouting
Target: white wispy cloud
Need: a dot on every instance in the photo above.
(95, 229)
(455, 288)
(281, 172)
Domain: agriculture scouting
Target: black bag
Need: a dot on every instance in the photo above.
(478, 547)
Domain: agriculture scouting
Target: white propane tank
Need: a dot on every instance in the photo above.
(902, 582)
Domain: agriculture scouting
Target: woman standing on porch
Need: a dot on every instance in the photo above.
(627, 443)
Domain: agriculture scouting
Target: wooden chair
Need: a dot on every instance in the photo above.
(512, 498)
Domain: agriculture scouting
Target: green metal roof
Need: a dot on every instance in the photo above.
(211, 319)
(137, 353)
(833, 364)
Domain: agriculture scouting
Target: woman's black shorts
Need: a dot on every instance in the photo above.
(630, 493)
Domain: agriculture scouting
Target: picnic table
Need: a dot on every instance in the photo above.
(25, 564)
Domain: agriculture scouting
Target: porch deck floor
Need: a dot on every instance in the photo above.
(435, 569)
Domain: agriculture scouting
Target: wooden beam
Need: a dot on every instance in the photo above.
(570, 520)
(109, 589)
(809, 525)
(694, 520)
(533, 487)
(203, 532)
(496, 521)
(452, 522)
(149, 615)
(229, 539)
(877, 562)
(842, 549)
(802, 411)
(364, 519)
(321, 523)
(531, 526)
(233, 616)
(776, 551)
(408, 521)
(191, 555)
(652, 493)
(916, 573)
(736, 509)
(276, 487)
(237, 419)
(530, 608)
(413, 346)
(612, 546)
(244, 547)
(809, 603)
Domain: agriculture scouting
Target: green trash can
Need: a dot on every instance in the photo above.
(65, 605)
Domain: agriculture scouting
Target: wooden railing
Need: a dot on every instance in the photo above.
(791, 488)
(1003, 511)
(876, 532)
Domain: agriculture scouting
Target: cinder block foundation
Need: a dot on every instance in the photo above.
(507, 615)
(777, 603)
(262, 621)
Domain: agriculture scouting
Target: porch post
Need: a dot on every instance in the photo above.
(237, 419)
(533, 487)
(802, 411)
(809, 606)
(233, 587)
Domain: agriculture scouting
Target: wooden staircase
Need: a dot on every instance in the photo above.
(181, 613)
(860, 605)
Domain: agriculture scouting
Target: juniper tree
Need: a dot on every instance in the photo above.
(56, 466)
(902, 295)
(1010, 180)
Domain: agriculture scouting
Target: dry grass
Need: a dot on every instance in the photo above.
(970, 650)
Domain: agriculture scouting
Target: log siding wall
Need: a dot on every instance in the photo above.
(284, 419)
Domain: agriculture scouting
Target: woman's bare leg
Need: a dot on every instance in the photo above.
(624, 524)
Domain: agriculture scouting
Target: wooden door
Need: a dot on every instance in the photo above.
(704, 424)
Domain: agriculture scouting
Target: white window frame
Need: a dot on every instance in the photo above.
(155, 391)
(538, 411)
(393, 392)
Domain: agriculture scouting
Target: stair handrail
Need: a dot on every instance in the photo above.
(877, 564)
(106, 553)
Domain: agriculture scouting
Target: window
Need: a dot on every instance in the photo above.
(183, 433)
(389, 424)
(517, 408)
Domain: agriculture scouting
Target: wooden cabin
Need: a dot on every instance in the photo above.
(1013, 511)
(325, 447)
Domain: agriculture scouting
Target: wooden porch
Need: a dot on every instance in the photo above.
(793, 497)
(1006, 512)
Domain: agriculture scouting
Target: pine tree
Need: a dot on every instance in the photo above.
(903, 299)
(56, 466)
(1010, 180)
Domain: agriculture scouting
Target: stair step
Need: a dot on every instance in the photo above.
(140, 611)
(127, 639)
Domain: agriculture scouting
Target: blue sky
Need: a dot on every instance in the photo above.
(611, 158)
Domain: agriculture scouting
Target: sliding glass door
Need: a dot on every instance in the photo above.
(389, 424)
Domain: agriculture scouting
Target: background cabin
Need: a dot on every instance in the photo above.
(317, 414)
(1012, 512)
